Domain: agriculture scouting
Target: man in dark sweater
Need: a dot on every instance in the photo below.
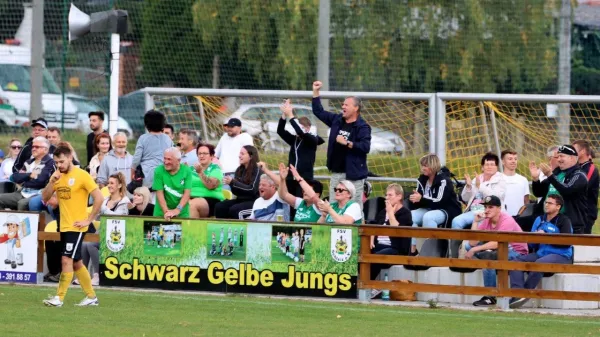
(39, 127)
(349, 142)
(585, 157)
(303, 146)
(568, 181)
(96, 121)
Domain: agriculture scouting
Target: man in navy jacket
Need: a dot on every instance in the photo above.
(33, 177)
(349, 143)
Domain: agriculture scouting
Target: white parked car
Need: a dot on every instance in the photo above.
(260, 121)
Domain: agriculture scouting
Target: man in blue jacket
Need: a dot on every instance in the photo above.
(552, 222)
(33, 177)
(349, 143)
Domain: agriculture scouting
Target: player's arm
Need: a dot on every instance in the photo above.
(160, 197)
(48, 191)
(98, 199)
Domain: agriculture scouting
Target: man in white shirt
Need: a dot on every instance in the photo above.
(187, 144)
(269, 205)
(517, 186)
(228, 149)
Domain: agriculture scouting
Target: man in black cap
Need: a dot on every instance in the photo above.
(228, 149)
(568, 181)
(39, 128)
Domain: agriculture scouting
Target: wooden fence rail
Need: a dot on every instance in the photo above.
(502, 265)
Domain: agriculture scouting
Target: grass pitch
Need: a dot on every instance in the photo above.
(277, 256)
(147, 314)
(151, 248)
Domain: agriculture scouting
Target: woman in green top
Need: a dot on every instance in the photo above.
(343, 210)
(207, 183)
(306, 207)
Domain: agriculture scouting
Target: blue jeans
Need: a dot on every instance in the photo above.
(463, 221)
(36, 205)
(489, 275)
(424, 217)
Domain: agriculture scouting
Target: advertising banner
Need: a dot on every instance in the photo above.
(229, 256)
(18, 247)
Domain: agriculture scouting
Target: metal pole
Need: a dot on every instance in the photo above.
(323, 46)
(115, 42)
(564, 71)
(63, 82)
(37, 60)
(440, 129)
(495, 131)
(432, 129)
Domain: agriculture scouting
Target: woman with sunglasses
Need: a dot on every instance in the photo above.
(207, 183)
(9, 161)
(343, 210)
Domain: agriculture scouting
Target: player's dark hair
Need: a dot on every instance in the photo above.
(63, 149)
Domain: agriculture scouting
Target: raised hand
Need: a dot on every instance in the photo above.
(316, 87)
(286, 109)
(283, 171)
(477, 180)
(468, 180)
(295, 173)
(534, 170)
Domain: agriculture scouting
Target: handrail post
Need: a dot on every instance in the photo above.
(502, 276)
(364, 273)
(40, 249)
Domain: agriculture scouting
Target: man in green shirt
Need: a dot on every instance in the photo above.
(173, 184)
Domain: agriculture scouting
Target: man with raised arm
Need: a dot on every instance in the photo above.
(349, 142)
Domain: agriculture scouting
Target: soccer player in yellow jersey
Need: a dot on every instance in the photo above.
(73, 187)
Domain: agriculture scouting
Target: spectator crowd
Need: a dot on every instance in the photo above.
(195, 179)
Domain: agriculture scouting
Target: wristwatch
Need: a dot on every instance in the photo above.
(179, 207)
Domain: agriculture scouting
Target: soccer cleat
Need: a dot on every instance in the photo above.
(88, 302)
(53, 301)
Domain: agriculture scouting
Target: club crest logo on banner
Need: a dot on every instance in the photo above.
(341, 244)
(115, 235)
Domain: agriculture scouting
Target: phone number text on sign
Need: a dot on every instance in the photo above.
(17, 277)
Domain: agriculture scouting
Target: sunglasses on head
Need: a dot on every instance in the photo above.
(340, 190)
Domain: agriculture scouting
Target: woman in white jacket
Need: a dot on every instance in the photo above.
(115, 204)
(490, 182)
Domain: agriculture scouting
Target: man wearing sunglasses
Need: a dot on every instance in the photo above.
(39, 128)
(33, 177)
(568, 181)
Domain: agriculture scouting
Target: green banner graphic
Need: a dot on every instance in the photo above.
(229, 256)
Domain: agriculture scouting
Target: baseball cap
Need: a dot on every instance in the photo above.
(233, 122)
(41, 122)
(568, 150)
(492, 200)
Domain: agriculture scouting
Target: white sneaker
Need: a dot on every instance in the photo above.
(53, 301)
(86, 302)
(96, 279)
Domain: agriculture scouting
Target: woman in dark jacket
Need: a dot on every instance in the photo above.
(434, 203)
(244, 185)
(393, 215)
(303, 146)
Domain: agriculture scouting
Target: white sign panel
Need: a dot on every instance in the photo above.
(18, 247)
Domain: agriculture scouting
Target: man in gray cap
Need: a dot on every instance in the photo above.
(568, 181)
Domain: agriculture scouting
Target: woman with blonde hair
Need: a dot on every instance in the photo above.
(140, 204)
(394, 215)
(7, 164)
(114, 204)
(434, 203)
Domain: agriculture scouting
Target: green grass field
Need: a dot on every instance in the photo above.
(153, 250)
(277, 256)
(149, 314)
